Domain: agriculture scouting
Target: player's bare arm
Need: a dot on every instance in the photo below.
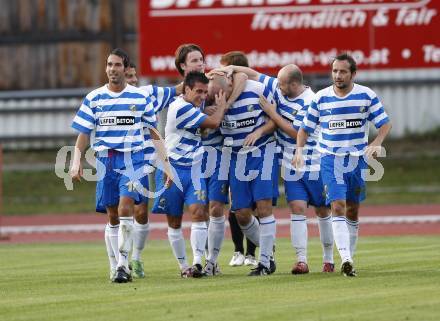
(238, 85)
(298, 158)
(268, 128)
(76, 170)
(159, 145)
(373, 149)
(215, 119)
(271, 110)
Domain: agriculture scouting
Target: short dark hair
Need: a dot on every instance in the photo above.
(182, 51)
(236, 58)
(121, 53)
(347, 57)
(193, 77)
(132, 65)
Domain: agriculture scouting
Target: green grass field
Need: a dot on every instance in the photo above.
(399, 279)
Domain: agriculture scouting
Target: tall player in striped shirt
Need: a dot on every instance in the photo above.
(344, 111)
(302, 188)
(252, 162)
(116, 113)
(185, 121)
(160, 97)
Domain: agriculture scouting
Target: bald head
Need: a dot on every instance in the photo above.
(290, 80)
(291, 73)
(217, 83)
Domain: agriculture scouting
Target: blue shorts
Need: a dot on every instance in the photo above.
(306, 189)
(248, 188)
(113, 182)
(172, 200)
(218, 189)
(339, 185)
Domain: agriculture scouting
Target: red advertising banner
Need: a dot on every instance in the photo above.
(381, 34)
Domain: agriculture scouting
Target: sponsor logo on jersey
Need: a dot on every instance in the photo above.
(235, 124)
(344, 123)
(116, 120)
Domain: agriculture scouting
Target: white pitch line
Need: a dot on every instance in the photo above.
(79, 228)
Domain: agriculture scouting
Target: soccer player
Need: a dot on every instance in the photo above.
(117, 113)
(249, 153)
(190, 57)
(185, 121)
(343, 111)
(291, 101)
(160, 97)
(239, 257)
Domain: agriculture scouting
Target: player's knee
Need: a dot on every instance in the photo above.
(338, 208)
(198, 214)
(264, 208)
(174, 222)
(243, 217)
(216, 209)
(352, 211)
(322, 211)
(297, 208)
(141, 213)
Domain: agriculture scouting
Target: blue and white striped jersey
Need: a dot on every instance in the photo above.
(294, 111)
(344, 120)
(161, 97)
(118, 119)
(245, 116)
(182, 133)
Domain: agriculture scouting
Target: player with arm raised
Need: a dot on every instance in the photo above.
(184, 145)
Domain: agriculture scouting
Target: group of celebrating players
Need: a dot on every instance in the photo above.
(228, 135)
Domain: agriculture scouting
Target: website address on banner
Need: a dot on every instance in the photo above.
(274, 59)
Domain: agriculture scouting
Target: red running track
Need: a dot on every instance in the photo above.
(281, 213)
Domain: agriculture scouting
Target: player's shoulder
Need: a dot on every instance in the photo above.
(323, 93)
(360, 89)
(97, 93)
(307, 95)
(135, 91)
(148, 90)
(252, 85)
(180, 103)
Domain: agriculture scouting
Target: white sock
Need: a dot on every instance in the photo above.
(108, 245)
(125, 239)
(252, 231)
(353, 229)
(140, 236)
(298, 236)
(216, 234)
(177, 242)
(326, 236)
(342, 239)
(199, 235)
(268, 230)
(113, 231)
